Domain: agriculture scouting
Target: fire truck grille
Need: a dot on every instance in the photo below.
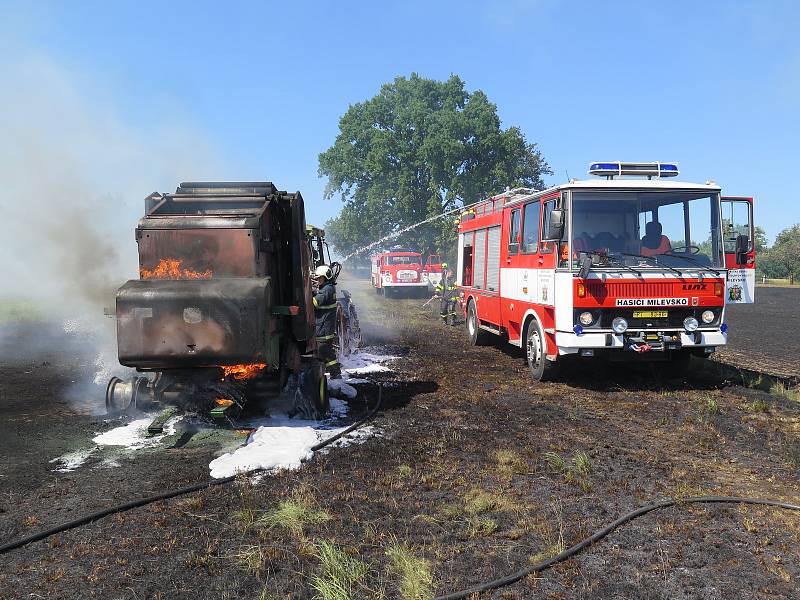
(633, 289)
(674, 319)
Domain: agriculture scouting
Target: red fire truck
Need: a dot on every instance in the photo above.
(631, 265)
(432, 271)
(396, 271)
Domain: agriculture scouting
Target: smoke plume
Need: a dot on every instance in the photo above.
(73, 176)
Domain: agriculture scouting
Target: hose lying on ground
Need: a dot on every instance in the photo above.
(600, 534)
(86, 519)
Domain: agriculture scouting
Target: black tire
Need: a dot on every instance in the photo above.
(354, 329)
(535, 355)
(315, 388)
(342, 341)
(477, 336)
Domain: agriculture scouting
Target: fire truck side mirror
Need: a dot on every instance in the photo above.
(555, 229)
(586, 265)
(742, 247)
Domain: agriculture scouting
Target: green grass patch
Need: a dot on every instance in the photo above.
(416, 579)
(293, 515)
(340, 575)
(478, 526)
(479, 501)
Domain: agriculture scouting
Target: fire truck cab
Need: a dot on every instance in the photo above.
(432, 271)
(396, 271)
(634, 265)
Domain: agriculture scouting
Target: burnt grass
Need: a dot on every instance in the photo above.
(478, 470)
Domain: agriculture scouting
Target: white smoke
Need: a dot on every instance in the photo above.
(73, 176)
(74, 172)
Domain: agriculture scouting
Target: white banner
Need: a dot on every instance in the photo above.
(652, 302)
(741, 286)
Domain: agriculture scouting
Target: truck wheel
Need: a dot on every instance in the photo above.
(477, 336)
(541, 368)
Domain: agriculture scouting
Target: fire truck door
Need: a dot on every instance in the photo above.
(739, 246)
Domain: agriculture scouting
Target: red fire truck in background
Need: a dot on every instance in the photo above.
(398, 270)
(432, 271)
(633, 265)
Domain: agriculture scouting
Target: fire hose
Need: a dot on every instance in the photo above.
(601, 533)
(90, 518)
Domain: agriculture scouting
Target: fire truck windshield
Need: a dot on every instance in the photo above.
(402, 260)
(678, 229)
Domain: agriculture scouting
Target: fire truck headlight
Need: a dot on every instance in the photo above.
(707, 316)
(619, 325)
(690, 324)
(586, 318)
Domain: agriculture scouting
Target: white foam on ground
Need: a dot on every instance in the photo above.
(341, 387)
(338, 408)
(284, 445)
(72, 460)
(362, 363)
(133, 435)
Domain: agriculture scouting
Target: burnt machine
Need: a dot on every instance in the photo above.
(222, 315)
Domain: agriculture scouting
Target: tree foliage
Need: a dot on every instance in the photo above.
(416, 149)
(786, 251)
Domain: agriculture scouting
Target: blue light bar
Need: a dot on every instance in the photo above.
(647, 169)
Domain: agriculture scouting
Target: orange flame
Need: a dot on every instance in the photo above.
(243, 371)
(170, 268)
(223, 402)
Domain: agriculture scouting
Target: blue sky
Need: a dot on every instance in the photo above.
(259, 87)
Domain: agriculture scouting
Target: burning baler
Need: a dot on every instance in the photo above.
(222, 314)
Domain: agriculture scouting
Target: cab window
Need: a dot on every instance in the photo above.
(547, 208)
(530, 228)
(513, 232)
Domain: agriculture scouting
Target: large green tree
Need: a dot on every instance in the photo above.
(786, 251)
(418, 148)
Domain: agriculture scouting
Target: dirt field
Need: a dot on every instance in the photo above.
(762, 336)
(478, 472)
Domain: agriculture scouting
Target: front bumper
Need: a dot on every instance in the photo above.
(572, 343)
(405, 284)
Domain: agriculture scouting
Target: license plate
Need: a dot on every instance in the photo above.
(650, 314)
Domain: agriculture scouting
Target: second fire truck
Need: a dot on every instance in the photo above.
(398, 271)
(631, 265)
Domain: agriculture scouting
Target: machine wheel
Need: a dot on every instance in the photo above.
(354, 329)
(119, 396)
(541, 368)
(322, 401)
(477, 336)
(315, 391)
(342, 338)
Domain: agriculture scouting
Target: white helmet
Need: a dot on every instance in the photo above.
(323, 271)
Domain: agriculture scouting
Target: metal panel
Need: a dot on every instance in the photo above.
(493, 260)
(480, 259)
(193, 323)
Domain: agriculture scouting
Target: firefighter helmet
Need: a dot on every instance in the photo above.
(323, 271)
(444, 265)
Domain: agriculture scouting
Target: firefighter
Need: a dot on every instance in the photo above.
(447, 291)
(325, 313)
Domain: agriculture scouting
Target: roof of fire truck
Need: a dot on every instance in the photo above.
(619, 176)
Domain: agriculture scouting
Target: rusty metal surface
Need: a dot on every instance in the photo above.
(224, 252)
(194, 323)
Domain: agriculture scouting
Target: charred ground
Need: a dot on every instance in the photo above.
(479, 470)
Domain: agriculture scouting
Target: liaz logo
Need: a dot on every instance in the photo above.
(694, 286)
